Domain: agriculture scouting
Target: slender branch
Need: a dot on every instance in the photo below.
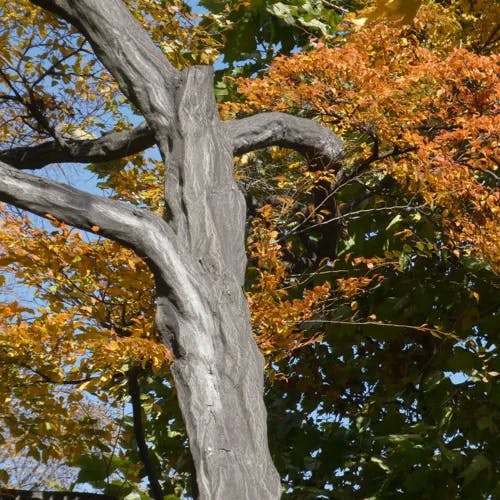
(492, 38)
(425, 329)
(111, 146)
(6, 97)
(316, 142)
(347, 216)
(45, 378)
(50, 70)
(139, 432)
(481, 170)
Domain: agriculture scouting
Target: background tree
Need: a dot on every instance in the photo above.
(410, 319)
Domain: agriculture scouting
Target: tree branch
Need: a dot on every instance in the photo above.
(316, 142)
(138, 229)
(111, 146)
(139, 432)
(119, 41)
(113, 219)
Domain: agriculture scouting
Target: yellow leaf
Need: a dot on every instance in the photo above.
(395, 11)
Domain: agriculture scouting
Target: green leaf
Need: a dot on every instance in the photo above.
(380, 463)
(92, 469)
(394, 221)
(462, 360)
(285, 12)
(478, 464)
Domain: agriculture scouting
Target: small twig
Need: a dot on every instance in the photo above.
(350, 215)
(49, 380)
(433, 331)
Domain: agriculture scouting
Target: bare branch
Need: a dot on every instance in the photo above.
(424, 328)
(316, 142)
(136, 228)
(111, 146)
(127, 51)
(110, 218)
(349, 215)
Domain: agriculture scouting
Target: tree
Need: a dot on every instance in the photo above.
(395, 228)
(196, 252)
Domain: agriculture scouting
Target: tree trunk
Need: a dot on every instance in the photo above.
(218, 369)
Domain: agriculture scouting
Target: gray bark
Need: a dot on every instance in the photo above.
(219, 370)
(197, 254)
(244, 135)
(111, 146)
(317, 143)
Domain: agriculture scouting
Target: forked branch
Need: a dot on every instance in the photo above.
(138, 229)
(127, 51)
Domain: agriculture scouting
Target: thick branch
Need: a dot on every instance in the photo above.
(110, 218)
(143, 73)
(111, 146)
(316, 142)
(139, 229)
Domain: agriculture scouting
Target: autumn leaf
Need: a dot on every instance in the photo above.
(399, 12)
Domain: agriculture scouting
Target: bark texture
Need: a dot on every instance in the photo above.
(219, 370)
(197, 253)
(317, 143)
